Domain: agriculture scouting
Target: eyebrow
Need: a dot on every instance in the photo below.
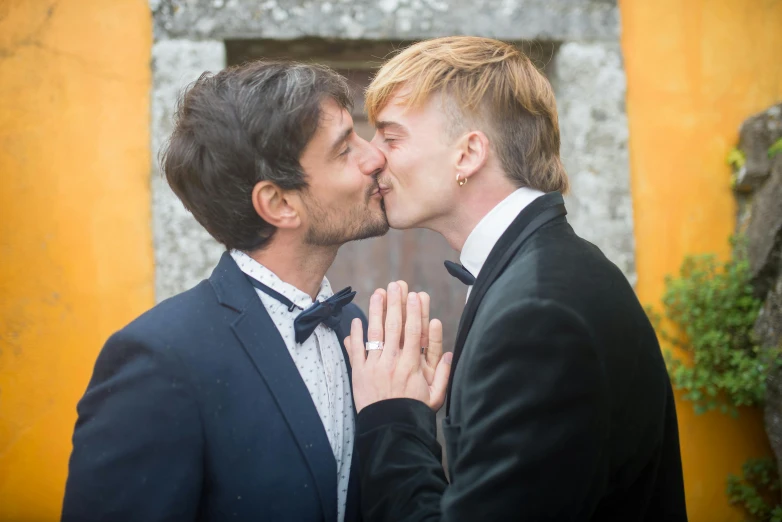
(339, 141)
(382, 125)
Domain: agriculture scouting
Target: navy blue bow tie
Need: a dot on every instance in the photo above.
(328, 312)
(460, 273)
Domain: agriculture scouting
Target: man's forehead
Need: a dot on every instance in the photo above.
(393, 113)
(335, 123)
(397, 102)
(399, 113)
(332, 112)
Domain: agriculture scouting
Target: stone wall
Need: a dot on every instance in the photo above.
(759, 189)
(587, 74)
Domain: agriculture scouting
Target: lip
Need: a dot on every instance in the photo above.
(380, 190)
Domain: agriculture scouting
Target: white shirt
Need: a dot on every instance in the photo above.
(319, 361)
(487, 232)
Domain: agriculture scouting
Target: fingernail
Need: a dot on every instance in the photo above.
(411, 297)
(447, 357)
(393, 287)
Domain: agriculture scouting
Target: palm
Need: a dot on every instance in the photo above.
(400, 370)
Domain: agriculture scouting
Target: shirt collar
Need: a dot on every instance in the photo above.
(485, 235)
(257, 271)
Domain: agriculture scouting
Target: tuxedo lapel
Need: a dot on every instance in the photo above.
(352, 504)
(266, 349)
(541, 211)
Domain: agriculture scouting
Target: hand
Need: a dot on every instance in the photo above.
(397, 371)
(432, 354)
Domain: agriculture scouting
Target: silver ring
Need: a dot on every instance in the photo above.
(374, 345)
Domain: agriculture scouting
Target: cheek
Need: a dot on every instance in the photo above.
(407, 165)
(344, 183)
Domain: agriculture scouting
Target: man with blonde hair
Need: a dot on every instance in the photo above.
(559, 404)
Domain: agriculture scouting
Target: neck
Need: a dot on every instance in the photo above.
(300, 265)
(474, 202)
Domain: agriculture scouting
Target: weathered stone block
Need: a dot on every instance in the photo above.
(773, 413)
(587, 20)
(184, 252)
(764, 231)
(757, 134)
(768, 327)
(589, 81)
(763, 176)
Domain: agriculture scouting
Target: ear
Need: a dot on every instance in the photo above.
(472, 153)
(277, 207)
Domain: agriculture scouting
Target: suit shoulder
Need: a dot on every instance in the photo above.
(179, 316)
(559, 265)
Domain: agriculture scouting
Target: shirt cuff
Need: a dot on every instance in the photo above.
(408, 413)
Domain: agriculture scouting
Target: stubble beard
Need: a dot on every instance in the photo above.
(330, 229)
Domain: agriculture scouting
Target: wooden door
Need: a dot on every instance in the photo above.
(415, 256)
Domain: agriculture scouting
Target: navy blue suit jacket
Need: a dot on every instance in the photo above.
(196, 411)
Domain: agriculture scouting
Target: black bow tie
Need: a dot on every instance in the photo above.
(460, 273)
(328, 312)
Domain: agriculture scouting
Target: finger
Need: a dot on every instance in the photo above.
(375, 322)
(440, 385)
(443, 366)
(403, 287)
(435, 350)
(424, 298)
(411, 353)
(382, 291)
(354, 344)
(393, 331)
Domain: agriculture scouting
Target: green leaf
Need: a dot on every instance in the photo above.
(713, 309)
(755, 488)
(775, 148)
(736, 158)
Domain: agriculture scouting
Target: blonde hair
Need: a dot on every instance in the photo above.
(485, 83)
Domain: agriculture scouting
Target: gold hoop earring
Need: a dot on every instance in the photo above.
(460, 181)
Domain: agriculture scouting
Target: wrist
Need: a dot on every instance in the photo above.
(409, 413)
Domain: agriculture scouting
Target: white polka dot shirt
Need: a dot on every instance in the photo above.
(319, 361)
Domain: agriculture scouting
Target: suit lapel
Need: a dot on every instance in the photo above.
(541, 211)
(264, 346)
(352, 506)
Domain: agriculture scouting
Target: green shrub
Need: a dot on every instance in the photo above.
(757, 490)
(713, 308)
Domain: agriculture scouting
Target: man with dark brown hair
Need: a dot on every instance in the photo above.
(559, 404)
(232, 401)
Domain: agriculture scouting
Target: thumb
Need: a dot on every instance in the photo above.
(440, 383)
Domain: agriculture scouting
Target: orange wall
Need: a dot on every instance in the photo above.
(75, 241)
(695, 70)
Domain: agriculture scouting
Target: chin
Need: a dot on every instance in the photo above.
(397, 217)
(399, 221)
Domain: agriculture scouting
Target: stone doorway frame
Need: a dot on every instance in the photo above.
(587, 74)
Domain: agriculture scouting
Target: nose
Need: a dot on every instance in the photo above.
(372, 159)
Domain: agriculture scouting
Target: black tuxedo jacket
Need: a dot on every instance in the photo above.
(560, 407)
(196, 411)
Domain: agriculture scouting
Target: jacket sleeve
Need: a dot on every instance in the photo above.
(137, 445)
(529, 440)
